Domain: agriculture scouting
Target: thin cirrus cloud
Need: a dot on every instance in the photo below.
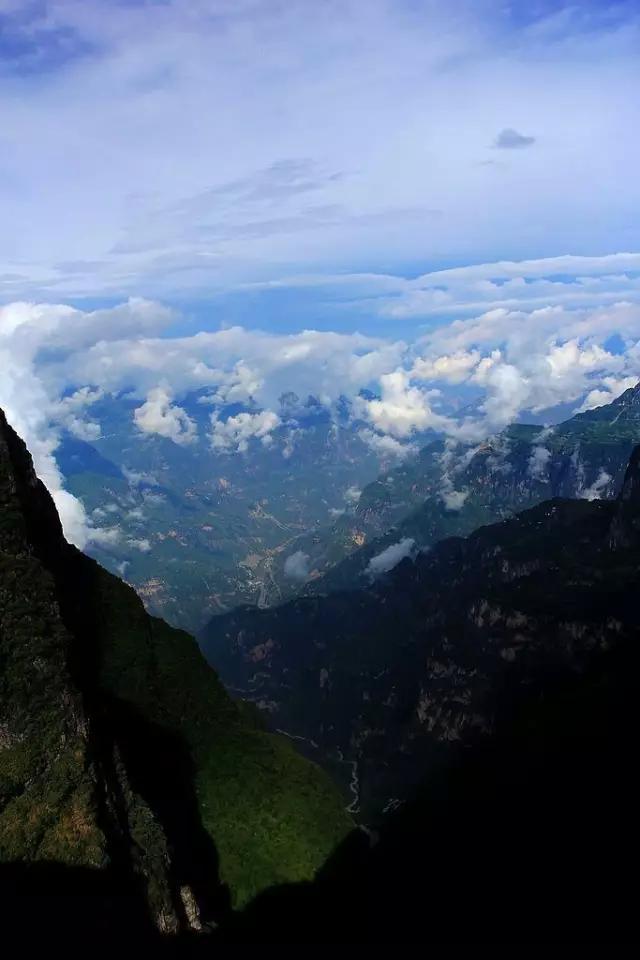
(179, 149)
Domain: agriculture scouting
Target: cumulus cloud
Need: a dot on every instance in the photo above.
(58, 361)
(36, 404)
(509, 139)
(234, 433)
(241, 364)
(613, 388)
(390, 557)
(402, 408)
(296, 566)
(387, 446)
(452, 369)
(68, 411)
(159, 415)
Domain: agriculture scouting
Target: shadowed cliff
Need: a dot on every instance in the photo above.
(120, 752)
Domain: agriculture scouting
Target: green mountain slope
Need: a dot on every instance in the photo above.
(120, 752)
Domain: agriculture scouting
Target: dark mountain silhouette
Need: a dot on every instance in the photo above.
(115, 738)
(124, 766)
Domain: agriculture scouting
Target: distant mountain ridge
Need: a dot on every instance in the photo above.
(452, 489)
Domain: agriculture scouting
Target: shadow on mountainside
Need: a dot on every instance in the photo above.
(528, 838)
(50, 903)
(134, 752)
(158, 760)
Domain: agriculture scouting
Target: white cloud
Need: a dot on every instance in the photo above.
(352, 495)
(448, 369)
(614, 387)
(453, 499)
(390, 557)
(387, 446)
(538, 464)
(402, 409)
(239, 363)
(159, 415)
(67, 412)
(137, 478)
(57, 361)
(598, 487)
(296, 566)
(143, 545)
(102, 536)
(34, 403)
(234, 433)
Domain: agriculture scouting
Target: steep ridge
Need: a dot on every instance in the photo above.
(124, 766)
(388, 680)
(452, 489)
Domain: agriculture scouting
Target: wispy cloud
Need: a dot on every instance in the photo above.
(171, 149)
(509, 139)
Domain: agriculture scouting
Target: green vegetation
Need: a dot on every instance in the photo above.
(273, 816)
(120, 749)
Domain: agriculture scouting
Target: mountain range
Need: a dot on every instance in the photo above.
(198, 529)
(379, 681)
(474, 701)
(450, 489)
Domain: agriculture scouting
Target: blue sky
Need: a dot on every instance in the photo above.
(422, 197)
(184, 148)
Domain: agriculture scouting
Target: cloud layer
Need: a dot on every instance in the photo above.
(470, 375)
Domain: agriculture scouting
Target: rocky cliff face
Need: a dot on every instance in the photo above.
(65, 794)
(124, 766)
(383, 683)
